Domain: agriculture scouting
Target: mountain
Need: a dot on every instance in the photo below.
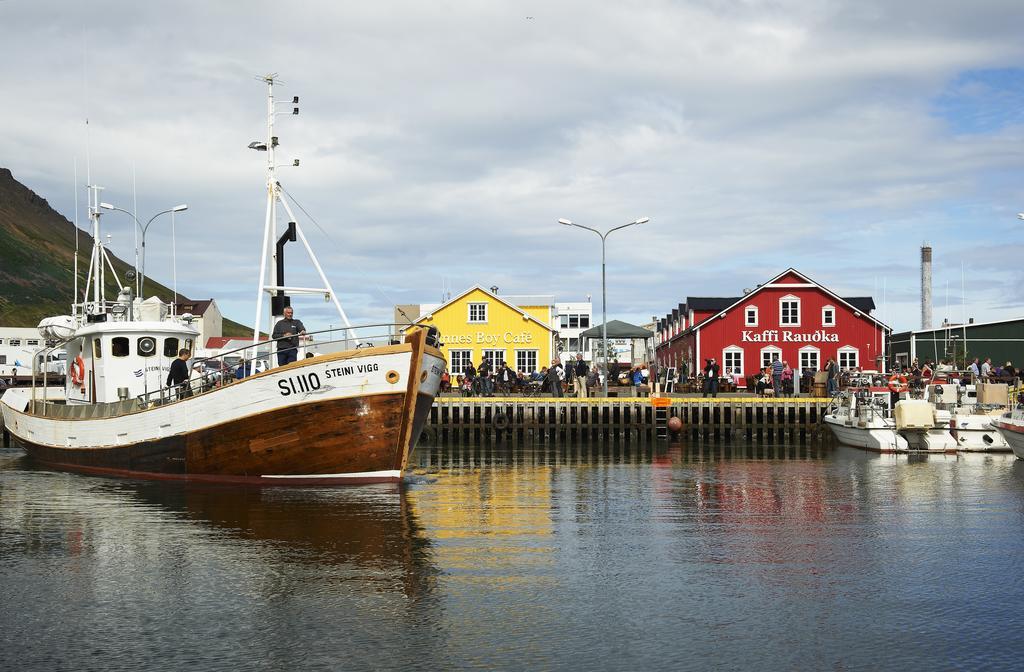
(37, 250)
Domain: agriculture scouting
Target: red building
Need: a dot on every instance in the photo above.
(790, 316)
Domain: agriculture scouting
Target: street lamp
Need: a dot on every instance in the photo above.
(142, 273)
(604, 294)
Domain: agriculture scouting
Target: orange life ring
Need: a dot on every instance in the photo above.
(78, 371)
(898, 383)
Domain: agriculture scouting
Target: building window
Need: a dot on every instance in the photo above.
(478, 312)
(458, 361)
(574, 321)
(119, 346)
(32, 342)
(495, 357)
(526, 361)
(732, 360)
(810, 359)
(584, 321)
(16, 341)
(789, 311)
(768, 354)
(849, 358)
(828, 316)
(170, 347)
(751, 316)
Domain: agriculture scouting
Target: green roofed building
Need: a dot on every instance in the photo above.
(1003, 341)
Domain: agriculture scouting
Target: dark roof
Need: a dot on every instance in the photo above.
(195, 307)
(709, 302)
(618, 329)
(865, 304)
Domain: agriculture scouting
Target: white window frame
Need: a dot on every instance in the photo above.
(732, 350)
(482, 305)
(767, 352)
(497, 356)
(848, 350)
(747, 321)
(524, 366)
(809, 349)
(789, 298)
(16, 342)
(455, 366)
(826, 310)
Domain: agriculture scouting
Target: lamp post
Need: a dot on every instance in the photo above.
(142, 272)
(604, 294)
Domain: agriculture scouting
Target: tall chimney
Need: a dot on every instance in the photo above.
(926, 286)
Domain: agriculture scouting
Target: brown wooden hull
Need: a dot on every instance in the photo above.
(311, 444)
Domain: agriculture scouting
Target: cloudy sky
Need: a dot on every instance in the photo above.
(440, 143)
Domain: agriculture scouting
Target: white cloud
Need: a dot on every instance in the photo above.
(443, 141)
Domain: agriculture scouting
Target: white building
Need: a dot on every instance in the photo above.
(208, 319)
(17, 347)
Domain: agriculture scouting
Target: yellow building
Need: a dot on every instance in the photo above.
(479, 324)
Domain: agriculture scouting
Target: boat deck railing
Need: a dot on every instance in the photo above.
(212, 373)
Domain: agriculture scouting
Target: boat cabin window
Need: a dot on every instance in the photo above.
(119, 346)
(188, 344)
(97, 350)
(147, 346)
(170, 347)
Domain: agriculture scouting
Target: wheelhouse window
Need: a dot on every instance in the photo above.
(848, 358)
(146, 346)
(97, 349)
(119, 346)
(170, 347)
(526, 361)
(828, 316)
(789, 311)
(478, 312)
(810, 359)
(750, 316)
(458, 361)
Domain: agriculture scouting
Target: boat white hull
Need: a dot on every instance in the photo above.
(1013, 433)
(975, 433)
(882, 439)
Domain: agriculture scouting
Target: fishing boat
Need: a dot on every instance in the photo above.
(351, 414)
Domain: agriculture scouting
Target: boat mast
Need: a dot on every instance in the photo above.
(269, 262)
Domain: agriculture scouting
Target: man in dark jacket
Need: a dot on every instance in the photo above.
(178, 375)
(287, 332)
(711, 378)
(579, 369)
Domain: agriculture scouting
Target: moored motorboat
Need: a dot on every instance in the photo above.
(1010, 426)
(862, 418)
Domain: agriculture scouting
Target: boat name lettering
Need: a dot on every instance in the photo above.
(775, 336)
(304, 382)
(339, 371)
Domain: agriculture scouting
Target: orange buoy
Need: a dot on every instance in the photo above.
(675, 424)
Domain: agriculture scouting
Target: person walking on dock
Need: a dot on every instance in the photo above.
(832, 381)
(286, 333)
(711, 378)
(777, 369)
(554, 379)
(580, 371)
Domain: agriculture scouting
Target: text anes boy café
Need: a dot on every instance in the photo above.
(790, 316)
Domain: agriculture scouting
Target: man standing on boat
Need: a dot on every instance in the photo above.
(177, 377)
(286, 333)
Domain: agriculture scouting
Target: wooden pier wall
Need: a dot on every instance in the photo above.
(478, 418)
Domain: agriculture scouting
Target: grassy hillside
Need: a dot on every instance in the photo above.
(37, 247)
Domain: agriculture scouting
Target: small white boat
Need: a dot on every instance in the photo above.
(970, 424)
(1011, 426)
(863, 419)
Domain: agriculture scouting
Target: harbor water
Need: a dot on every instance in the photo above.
(620, 556)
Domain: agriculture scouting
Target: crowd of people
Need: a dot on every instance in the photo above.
(486, 380)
